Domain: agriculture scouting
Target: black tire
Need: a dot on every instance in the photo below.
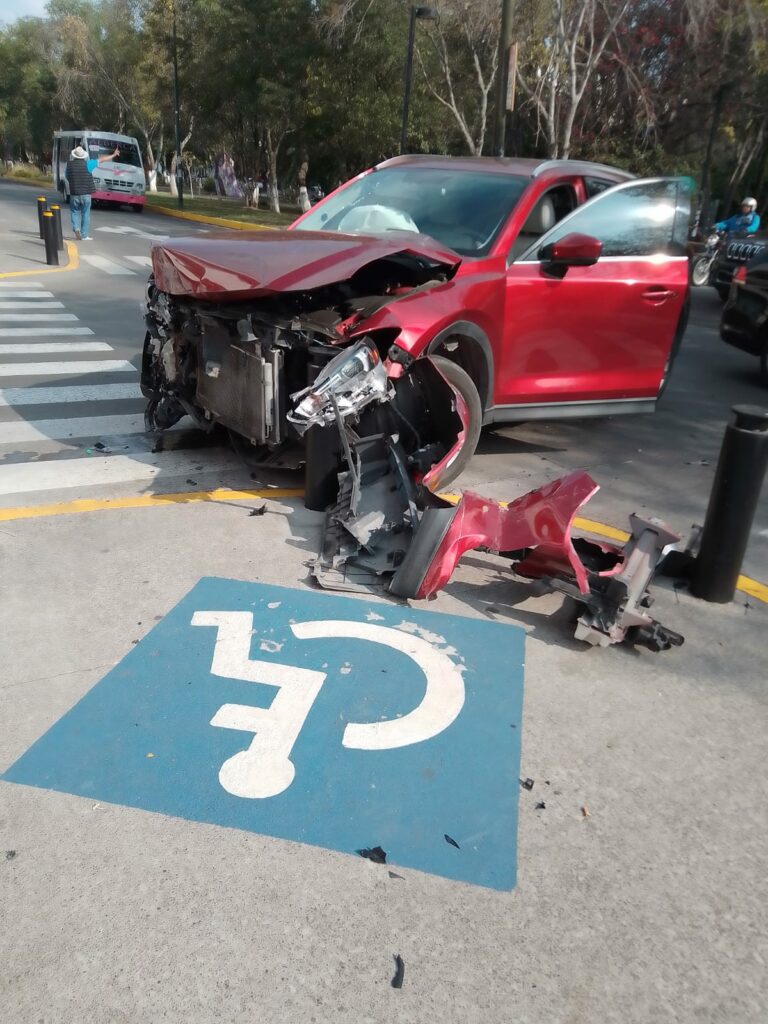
(466, 387)
(138, 207)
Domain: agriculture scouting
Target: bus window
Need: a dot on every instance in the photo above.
(129, 153)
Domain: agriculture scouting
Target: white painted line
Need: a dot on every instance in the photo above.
(108, 266)
(70, 369)
(47, 317)
(142, 261)
(52, 347)
(90, 471)
(29, 305)
(20, 431)
(42, 331)
(79, 393)
(27, 284)
(26, 295)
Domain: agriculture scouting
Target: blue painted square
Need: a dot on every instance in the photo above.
(331, 699)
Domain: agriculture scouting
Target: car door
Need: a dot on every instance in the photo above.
(599, 334)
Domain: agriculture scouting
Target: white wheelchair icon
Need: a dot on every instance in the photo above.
(265, 769)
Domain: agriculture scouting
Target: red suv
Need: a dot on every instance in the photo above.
(537, 288)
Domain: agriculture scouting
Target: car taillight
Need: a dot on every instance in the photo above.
(740, 277)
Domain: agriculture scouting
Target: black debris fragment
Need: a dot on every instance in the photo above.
(540, 806)
(547, 782)
(101, 447)
(10, 854)
(394, 874)
(526, 783)
(192, 483)
(260, 511)
(397, 981)
(451, 841)
(376, 854)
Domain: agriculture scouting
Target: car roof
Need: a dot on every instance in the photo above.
(527, 167)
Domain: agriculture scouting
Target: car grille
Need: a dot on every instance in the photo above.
(742, 252)
(116, 183)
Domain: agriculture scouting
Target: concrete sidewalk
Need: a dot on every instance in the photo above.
(651, 908)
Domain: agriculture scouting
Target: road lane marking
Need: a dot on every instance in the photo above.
(107, 266)
(77, 393)
(64, 474)
(42, 331)
(81, 505)
(73, 262)
(54, 348)
(22, 431)
(38, 317)
(26, 284)
(25, 294)
(142, 261)
(4, 305)
(70, 369)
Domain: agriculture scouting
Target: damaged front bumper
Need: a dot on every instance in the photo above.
(388, 532)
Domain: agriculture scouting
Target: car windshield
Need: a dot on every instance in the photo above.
(463, 210)
(129, 153)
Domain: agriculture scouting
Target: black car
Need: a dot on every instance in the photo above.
(744, 322)
(735, 251)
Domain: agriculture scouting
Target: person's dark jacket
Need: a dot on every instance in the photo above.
(79, 178)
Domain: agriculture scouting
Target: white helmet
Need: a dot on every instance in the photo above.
(750, 202)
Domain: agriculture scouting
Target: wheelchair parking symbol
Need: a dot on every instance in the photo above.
(265, 768)
(308, 717)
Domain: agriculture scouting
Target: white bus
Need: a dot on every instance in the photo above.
(120, 180)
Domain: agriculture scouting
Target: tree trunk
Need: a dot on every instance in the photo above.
(152, 172)
(304, 203)
(272, 149)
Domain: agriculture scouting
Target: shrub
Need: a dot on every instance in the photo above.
(208, 186)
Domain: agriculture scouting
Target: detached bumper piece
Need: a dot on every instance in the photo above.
(385, 532)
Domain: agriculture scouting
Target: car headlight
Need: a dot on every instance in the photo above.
(138, 187)
(97, 180)
(351, 380)
(713, 239)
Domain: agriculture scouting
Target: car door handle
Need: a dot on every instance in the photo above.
(658, 294)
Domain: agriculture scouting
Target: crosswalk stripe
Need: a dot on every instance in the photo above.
(42, 331)
(27, 284)
(54, 347)
(69, 369)
(66, 474)
(107, 265)
(77, 393)
(26, 295)
(29, 305)
(142, 261)
(20, 431)
(41, 317)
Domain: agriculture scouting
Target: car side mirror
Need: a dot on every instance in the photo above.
(574, 250)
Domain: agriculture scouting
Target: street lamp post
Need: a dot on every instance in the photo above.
(423, 14)
(179, 171)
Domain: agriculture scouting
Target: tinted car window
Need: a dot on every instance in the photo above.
(594, 186)
(642, 219)
(464, 210)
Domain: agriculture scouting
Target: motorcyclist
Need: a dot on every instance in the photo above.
(747, 221)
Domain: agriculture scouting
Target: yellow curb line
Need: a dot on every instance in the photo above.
(753, 588)
(64, 508)
(73, 262)
(202, 218)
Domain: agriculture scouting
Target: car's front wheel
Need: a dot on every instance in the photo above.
(463, 383)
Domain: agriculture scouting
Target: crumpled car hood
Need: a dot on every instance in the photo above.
(247, 265)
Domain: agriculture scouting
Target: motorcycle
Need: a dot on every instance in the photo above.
(701, 268)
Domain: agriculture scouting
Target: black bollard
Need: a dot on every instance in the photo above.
(49, 237)
(56, 211)
(732, 503)
(42, 206)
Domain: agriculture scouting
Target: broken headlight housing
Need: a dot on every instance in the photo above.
(351, 380)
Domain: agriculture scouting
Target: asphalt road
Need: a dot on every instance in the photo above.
(650, 907)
